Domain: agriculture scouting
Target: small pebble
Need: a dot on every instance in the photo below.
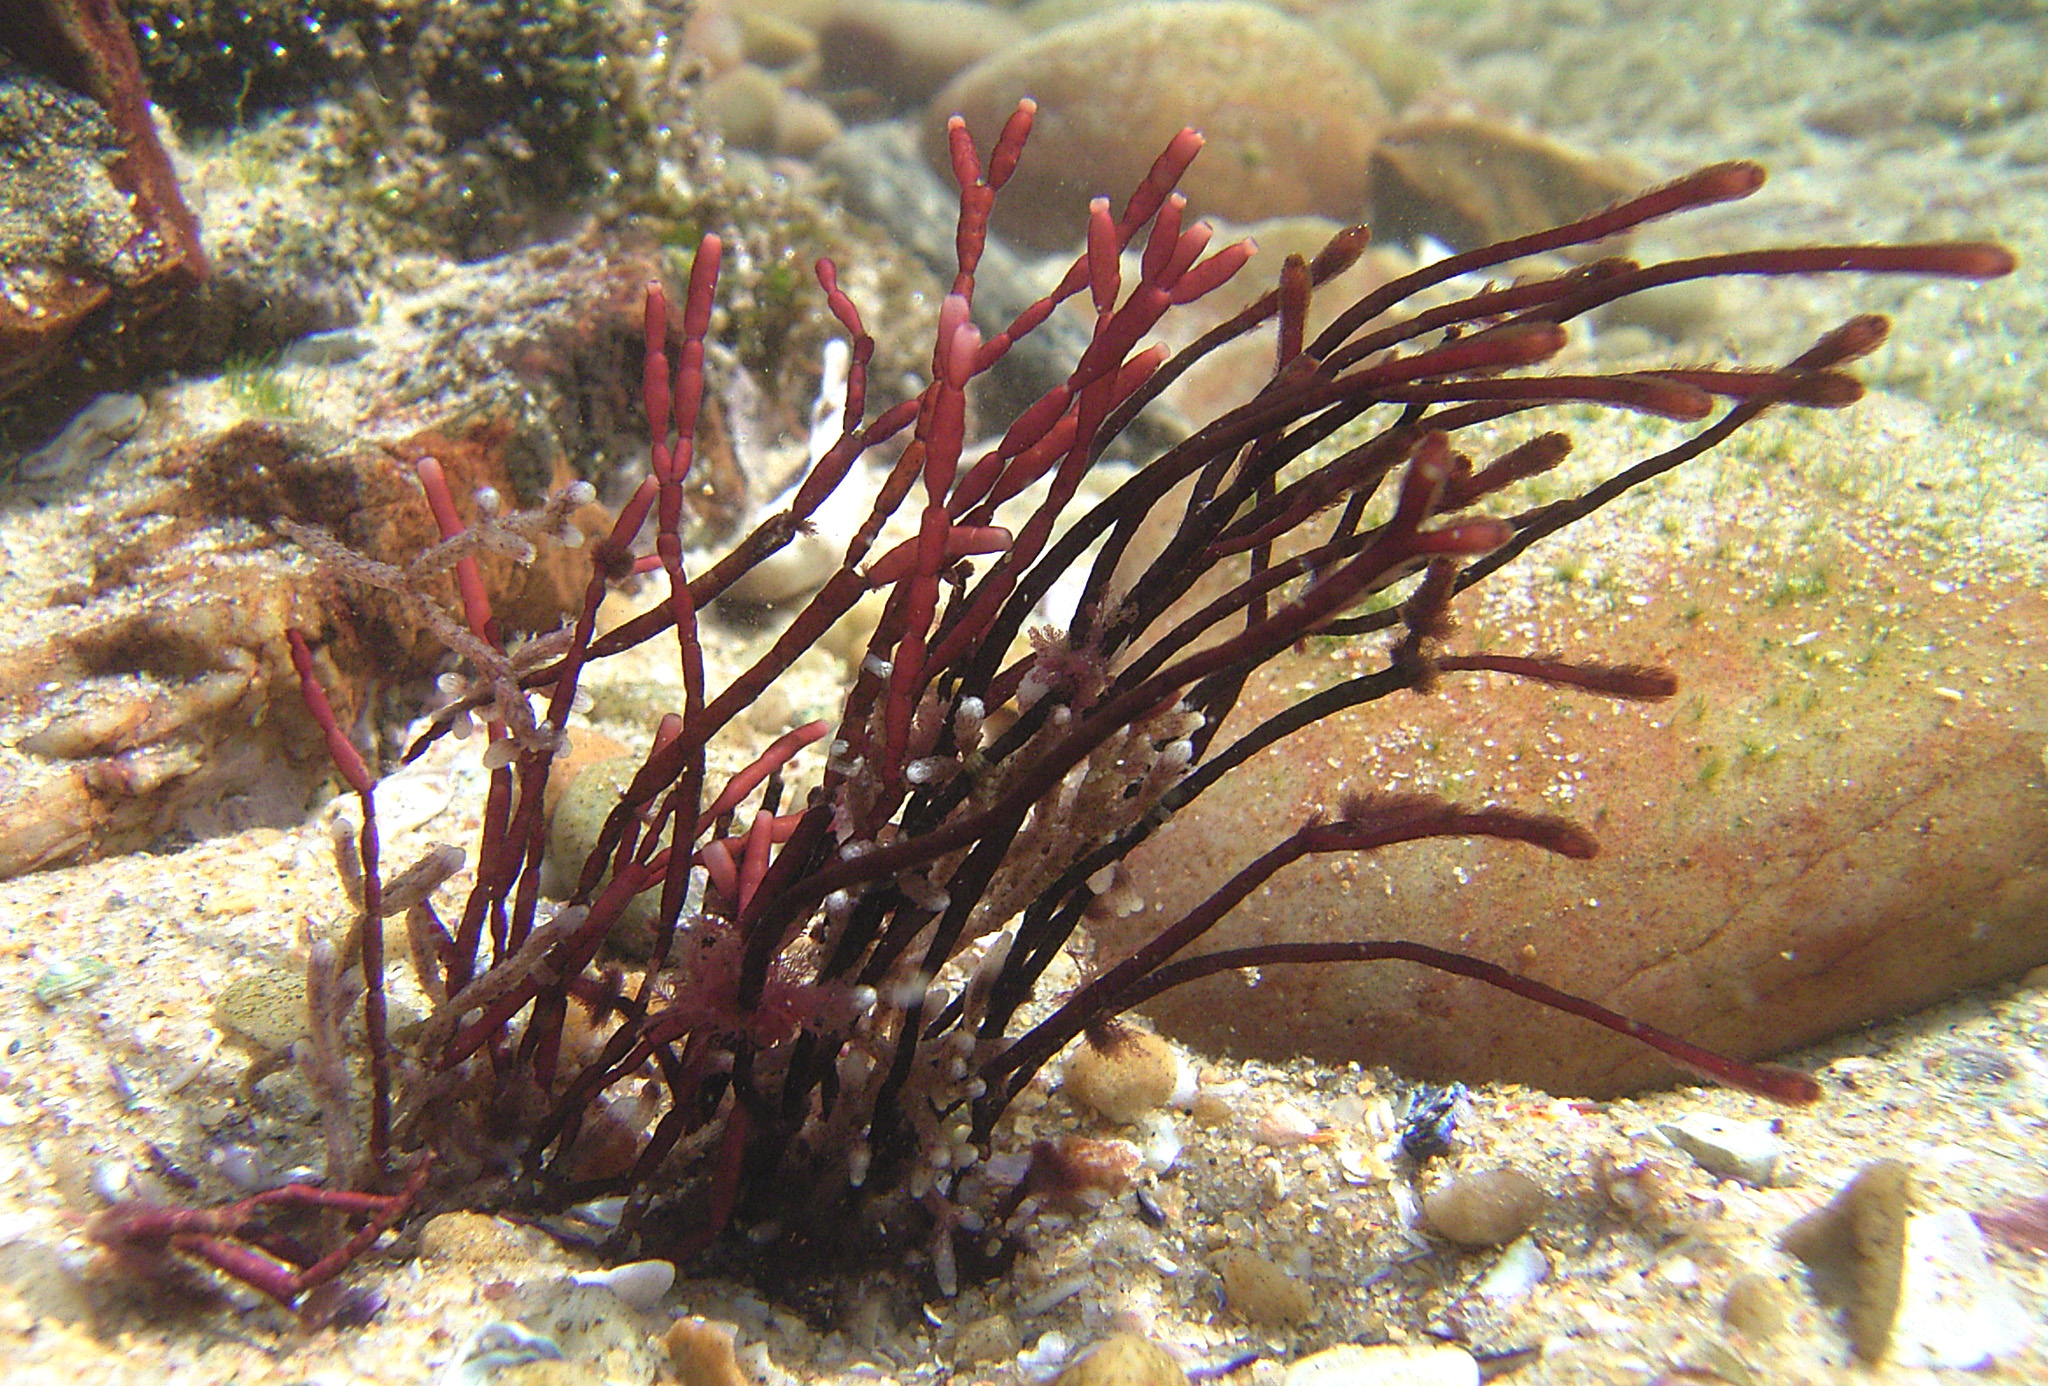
(1388, 1364)
(1138, 1073)
(1729, 1149)
(1430, 1122)
(1262, 1293)
(1756, 1305)
(993, 1338)
(1486, 1208)
(335, 348)
(1124, 1360)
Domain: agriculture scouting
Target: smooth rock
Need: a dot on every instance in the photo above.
(574, 825)
(904, 50)
(477, 1238)
(1489, 1207)
(1756, 1305)
(1138, 1073)
(1236, 71)
(1467, 181)
(1839, 818)
(1744, 1150)
(1386, 1364)
(1124, 1360)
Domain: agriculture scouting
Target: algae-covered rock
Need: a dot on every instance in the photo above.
(1840, 817)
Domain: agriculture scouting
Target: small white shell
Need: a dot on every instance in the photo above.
(639, 1283)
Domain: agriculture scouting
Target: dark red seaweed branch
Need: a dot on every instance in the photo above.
(829, 1016)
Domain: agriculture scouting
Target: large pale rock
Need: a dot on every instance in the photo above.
(1289, 119)
(1841, 816)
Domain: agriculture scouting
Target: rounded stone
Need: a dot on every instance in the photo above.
(1840, 817)
(904, 50)
(473, 1238)
(1260, 1292)
(1114, 89)
(1124, 1360)
(1756, 1305)
(1488, 1207)
(1138, 1073)
(574, 826)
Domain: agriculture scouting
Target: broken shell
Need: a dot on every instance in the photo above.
(1520, 1269)
(1284, 1124)
(499, 1347)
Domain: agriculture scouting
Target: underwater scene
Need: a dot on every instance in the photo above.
(1279, 692)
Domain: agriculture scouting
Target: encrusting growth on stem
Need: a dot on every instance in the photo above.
(831, 1016)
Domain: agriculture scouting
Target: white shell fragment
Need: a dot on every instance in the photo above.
(1953, 1310)
(1729, 1149)
(1159, 1142)
(1283, 1124)
(1520, 1269)
(640, 1284)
